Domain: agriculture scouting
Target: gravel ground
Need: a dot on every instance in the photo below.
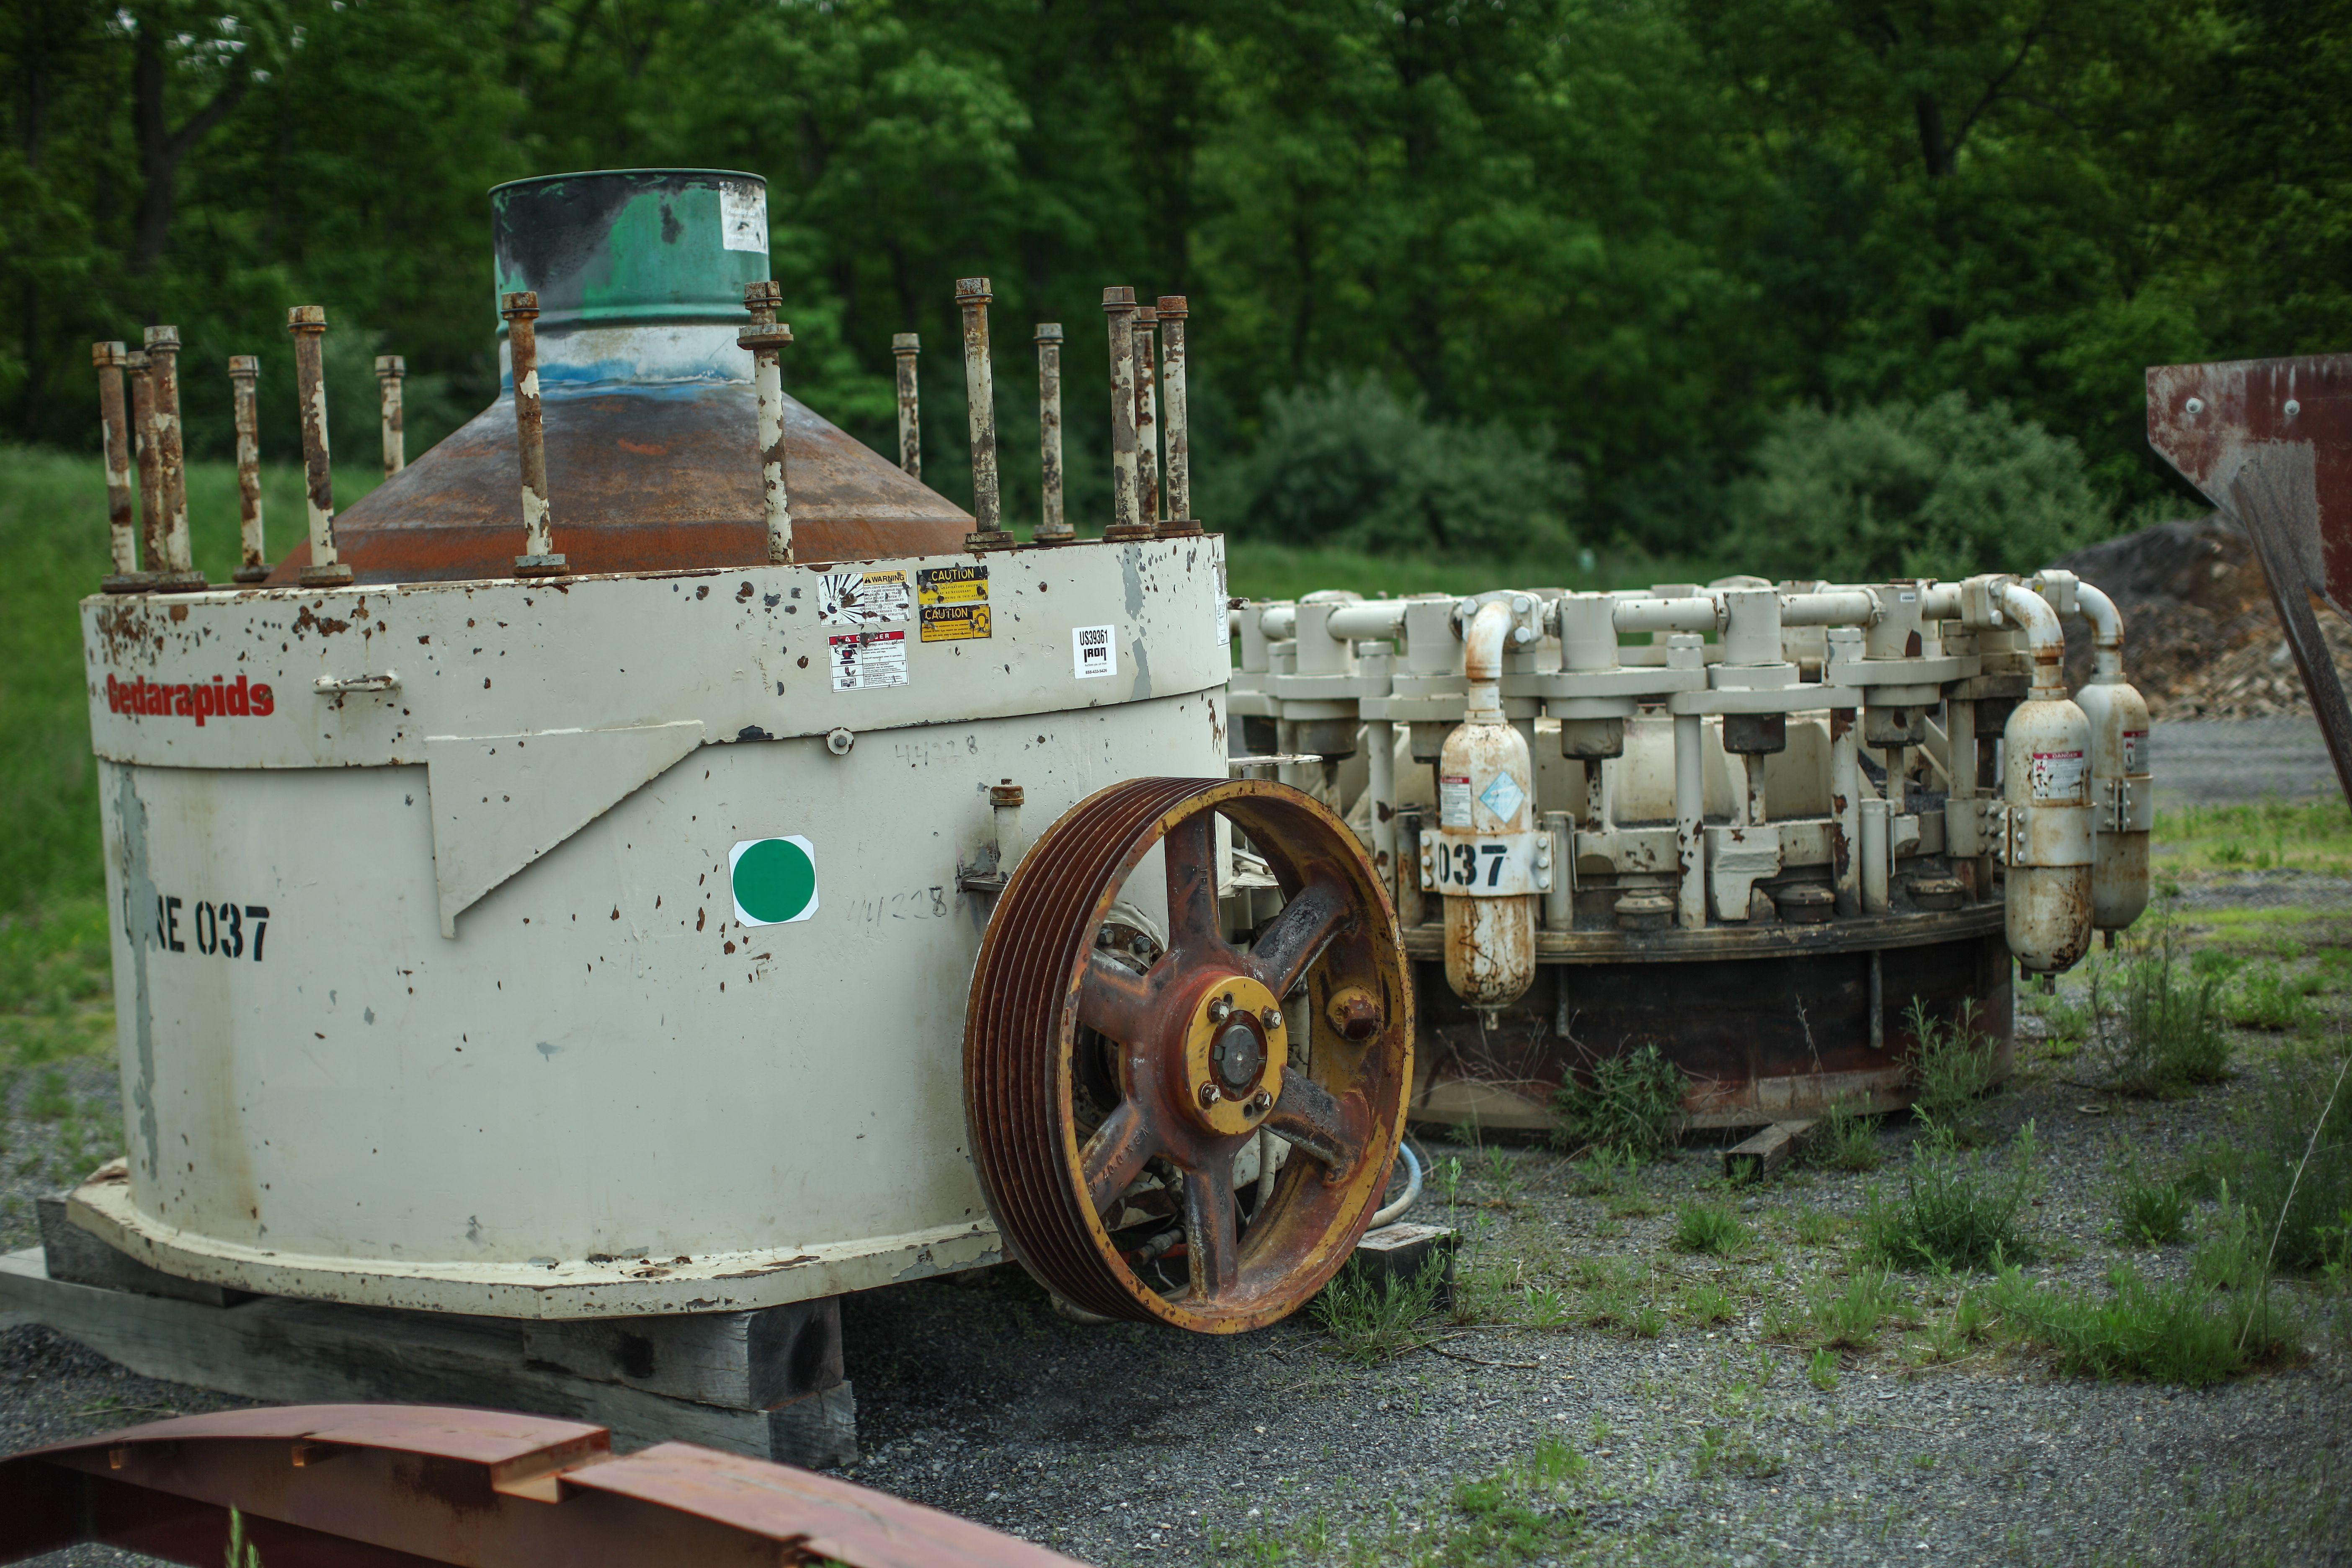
(1705, 1444)
(2229, 762)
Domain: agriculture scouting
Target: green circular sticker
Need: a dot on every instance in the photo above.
(774, 880)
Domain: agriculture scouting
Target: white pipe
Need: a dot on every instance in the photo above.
(1845, 797)
(2106, 634)
(1690, 824)
(1360, 622)
(1834, 607)
(2043, 635)
(1279, 622)
(1697, 615)
(1411, 1189)
(1939, 602)
(1873, 857)
(1482, 660)
(1379, 758)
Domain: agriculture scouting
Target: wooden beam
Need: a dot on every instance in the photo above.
(1765, 1152)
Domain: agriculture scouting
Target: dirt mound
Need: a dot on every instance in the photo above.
(2200, 638)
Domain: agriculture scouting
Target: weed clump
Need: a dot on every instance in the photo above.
(2293, 1163)
(2164, 1032)
(1951, 1067)
(1709, 1228)
(1632, 1106)
(1843, 1139)
(2148, 1211)
(1371, 1320)
(1957, 1210)
(1847, 1313)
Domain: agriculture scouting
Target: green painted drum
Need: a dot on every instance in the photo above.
(632, 247)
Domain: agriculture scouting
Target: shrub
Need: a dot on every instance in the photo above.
(1708, 1228)
(1843, 1139)
(2147, 1212)
(1951, 1067)
(1375, 1320)
(2184, 1331)
(1957, 1210)
(1351, 465)
(1633, 1105)
(2295, 1158)
(2163, 1035)
(1911, 490)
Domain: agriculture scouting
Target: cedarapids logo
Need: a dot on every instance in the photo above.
(220, 698)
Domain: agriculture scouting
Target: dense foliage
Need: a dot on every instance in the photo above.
(1635, 233)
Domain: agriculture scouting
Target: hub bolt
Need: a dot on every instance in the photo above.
(1209, 1095)
(1271, 1018)
(1262, 1102)
(1220, 1009)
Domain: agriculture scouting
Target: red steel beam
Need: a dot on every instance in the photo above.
(394, 1485)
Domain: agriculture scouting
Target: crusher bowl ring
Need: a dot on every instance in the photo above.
(1210, 1042)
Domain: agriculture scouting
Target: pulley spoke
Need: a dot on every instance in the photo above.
(1212, 1236)
(1114, 1156)
(1191, 848)
(1113, 1000)
(1291, 942)
(1307, 1114)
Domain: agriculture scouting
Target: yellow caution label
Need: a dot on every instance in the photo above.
(954, 623)
(952, 586)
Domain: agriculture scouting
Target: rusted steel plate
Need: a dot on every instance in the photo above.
(2270, 442)
(386, 1484)
(638, 481)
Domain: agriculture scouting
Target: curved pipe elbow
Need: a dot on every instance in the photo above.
(2042, 633)
(2106, 633)
(1482, 659)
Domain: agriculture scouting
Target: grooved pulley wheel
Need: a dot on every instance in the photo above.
(1111, 1089)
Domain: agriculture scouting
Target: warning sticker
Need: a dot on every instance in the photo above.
(1217, 601)
(1453, 799)
(774, 880)
(1092, 652)
(862, 598)
(2058, 775)
(954, 623)
(864, 660)
(2134, 751)
(743, 215)
(952, 603)
(1503, 797)
(951, 586)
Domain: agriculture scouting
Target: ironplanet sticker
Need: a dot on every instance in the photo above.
(864, 660)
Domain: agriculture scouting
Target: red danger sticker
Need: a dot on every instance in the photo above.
(2058, 775)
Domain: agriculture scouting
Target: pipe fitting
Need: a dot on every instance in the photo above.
(539, 557)
(308, 325)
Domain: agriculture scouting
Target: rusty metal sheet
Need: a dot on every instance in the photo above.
(386, 1484)
(639, 482)
(2270, 442)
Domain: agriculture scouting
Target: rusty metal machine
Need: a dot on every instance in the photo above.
(554, 892)
(1751, 822)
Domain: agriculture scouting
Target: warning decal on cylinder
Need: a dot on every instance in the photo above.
(862, 660)
(1454, 800)
(774, 880)
(2134, 751)
(1503, 797)
(952, 601)
(2058, 775)
(862, 598)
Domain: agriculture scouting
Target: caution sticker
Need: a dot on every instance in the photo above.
(864, 660)
(954, 623)
(2134, 751)
(951, 586)
(862, 598)
(1093, 655)
(2058, 775)
(774, 880)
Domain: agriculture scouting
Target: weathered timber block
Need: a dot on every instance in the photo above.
(269, 1348)
(1396, 1254)
(1765, 1152)
(81, 1258)
(744, 1360)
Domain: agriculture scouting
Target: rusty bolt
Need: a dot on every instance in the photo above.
(1220, 1009)
(1209, 1095)
(1262, 1102)
(1356, 1014)
(1271, 1018)
(1005, 793)
(244, 376)
(114, 426)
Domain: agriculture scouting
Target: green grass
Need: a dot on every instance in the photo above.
(2264, 995)
(1708, 1228)
(1951, 1066)
(2148, 1211)
(1630, 1103)
(2183, 1332)
(2307, 836)
(2160, 1021)
(1956, 1210)
(1843, 1139)
(1848, 1312)
(1371, 1320)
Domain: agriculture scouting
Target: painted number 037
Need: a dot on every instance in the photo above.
(223, 931)
(1460, 868)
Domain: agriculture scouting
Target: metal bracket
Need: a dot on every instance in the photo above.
(1460, 863)
(332, 686)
